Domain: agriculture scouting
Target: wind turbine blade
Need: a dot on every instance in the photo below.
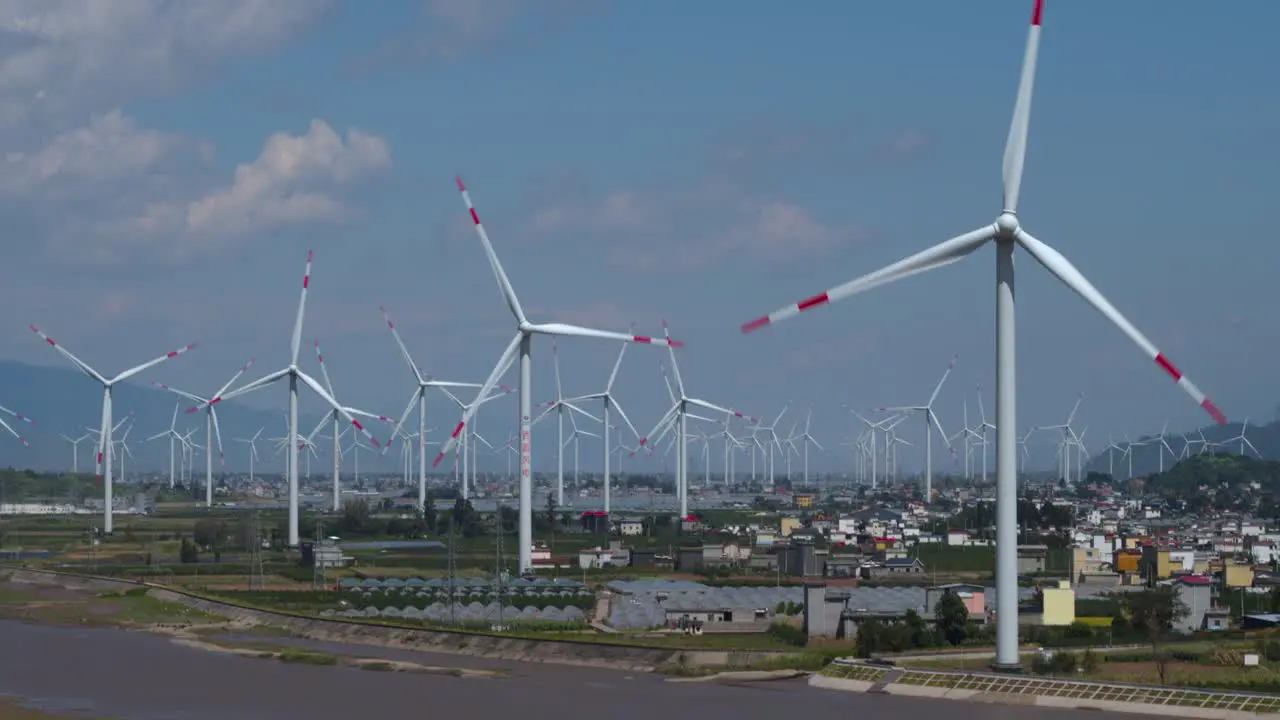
(1015, 149)
(667, 381)
(245, 389)
(675, 408)
(938, 389)
(296, 342)
(613, 375)
(324, 371)
(567, 330)
(414, 399)
(675, 366)
(1059, 266)
(315, 387)
(182, 393)
(84, 367)
(417, 375)
(217, 434)
(504, 362)
(234, 378)
(580, 411)
(555, 362)
(504, 284)
(150, 364)
(14, 433)
(617, 406)
(937, 256)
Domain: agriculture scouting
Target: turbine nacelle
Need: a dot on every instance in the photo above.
(1006, 226)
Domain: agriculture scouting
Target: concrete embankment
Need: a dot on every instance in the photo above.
(567, 652)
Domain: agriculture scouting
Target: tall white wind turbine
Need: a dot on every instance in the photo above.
(522, 343)
(930, 422)
(252, 442)
(172, 434)
(419, 397)
(103, 465)
(337, 433)
(807, 438)
(75, 447)
(610, 403)
(1007, 233)
(212, 433)
(678, 416)
(294, 374)
(558, 407)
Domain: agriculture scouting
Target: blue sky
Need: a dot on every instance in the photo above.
(702, 162)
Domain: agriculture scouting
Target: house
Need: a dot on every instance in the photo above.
(957, 537)
(596, 557)
(1195, 592)
(1058, 604)
(804, 500)
(973, 597)
(690, 524)
(897, 567)
(596, 521)
(1127, 560)
(800, 560)
(1237, 575)
(1086, 560)
(1032, 559)
(631, 526)
(788, 525)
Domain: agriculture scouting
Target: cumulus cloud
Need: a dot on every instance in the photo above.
(65, 55)
(699, 225)
(105, 190)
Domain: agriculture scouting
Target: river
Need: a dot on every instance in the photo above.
(108, 673)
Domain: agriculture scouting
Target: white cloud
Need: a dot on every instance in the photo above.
(62, 56)
(285, 183)
(111, 189)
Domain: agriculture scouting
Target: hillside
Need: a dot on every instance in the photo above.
(65, 401)
(1146, 458)
(1207, 474)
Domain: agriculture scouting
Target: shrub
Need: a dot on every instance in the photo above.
(789, 634)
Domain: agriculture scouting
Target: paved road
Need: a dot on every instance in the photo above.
(136, 676)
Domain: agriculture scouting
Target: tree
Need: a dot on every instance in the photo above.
(551, 510)
(211, 535)
(1154, 612)
(187, 552)
(952, 618)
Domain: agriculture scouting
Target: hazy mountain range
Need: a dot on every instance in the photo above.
(64, 401)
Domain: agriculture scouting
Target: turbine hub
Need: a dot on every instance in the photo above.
(1006, 225)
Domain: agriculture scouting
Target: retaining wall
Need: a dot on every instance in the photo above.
(854, 676)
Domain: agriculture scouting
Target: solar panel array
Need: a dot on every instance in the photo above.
(464, 587)
(470, 612)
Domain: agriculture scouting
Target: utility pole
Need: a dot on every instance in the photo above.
(498, 569)
(256, 581)
(318, 579)
(453, 603)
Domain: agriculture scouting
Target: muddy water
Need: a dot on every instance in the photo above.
(137, 676)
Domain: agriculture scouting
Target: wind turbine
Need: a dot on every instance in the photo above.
(294, 374)
(211, 428)
(337, 447)
(467, 447)
(558, 406)
(418, 397)
(172, 434)
(930, 422)
(610, 402)
(252, 442)
(1244, 441)
(678, 416)
(75, 446)
(104, 440)
(773, 441)
(522, 344)
(1007, 232)
(807, 439)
